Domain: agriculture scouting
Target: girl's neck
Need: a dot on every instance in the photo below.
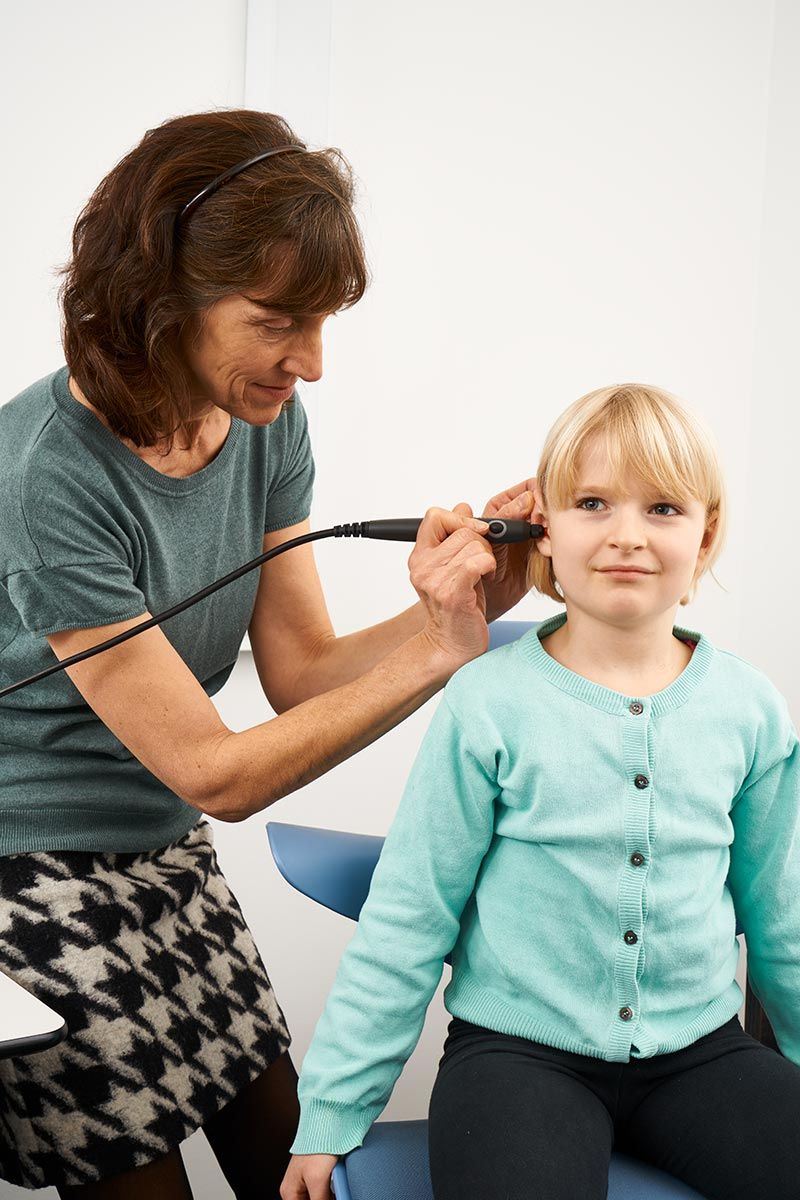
(635, 660)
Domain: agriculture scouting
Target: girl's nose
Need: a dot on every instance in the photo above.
(628, 535)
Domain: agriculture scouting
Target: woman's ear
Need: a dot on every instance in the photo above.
(539, 517)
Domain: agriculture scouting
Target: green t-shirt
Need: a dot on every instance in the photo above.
(89, 535)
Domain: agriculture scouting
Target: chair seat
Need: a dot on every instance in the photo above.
(393, 1165)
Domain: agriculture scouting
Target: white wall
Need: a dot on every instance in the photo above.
(554, 198)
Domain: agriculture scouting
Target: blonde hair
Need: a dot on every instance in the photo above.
(648, 433)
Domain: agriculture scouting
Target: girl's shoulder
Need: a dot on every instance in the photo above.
(747, 694)
(499, 681)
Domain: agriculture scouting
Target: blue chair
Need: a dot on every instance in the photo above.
(335, 869)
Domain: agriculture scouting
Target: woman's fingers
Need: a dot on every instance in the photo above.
(439, 523)
(448, 580)
(515, 501)
(462, 572)
(435, 570)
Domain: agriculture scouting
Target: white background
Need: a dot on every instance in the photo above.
(554, 198)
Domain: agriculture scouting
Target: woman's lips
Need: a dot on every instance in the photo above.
(276, 393)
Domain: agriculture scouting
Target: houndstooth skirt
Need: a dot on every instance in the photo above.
(170, 1011)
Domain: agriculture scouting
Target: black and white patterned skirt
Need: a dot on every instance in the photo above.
(170, 1010)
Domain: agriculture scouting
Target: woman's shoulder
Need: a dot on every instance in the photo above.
(26, 435)
(49, 481)
(24, 418)
(40, 451)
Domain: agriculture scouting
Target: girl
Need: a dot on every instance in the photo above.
(590, 810)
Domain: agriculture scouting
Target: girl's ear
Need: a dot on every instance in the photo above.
(702, 555)
(708, 537)
(538, 517)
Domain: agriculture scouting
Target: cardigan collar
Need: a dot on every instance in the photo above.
(695, 671)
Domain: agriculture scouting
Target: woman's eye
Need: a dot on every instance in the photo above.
(590, 500)
(665, 505)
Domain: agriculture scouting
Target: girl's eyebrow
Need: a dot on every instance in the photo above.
(609, 487)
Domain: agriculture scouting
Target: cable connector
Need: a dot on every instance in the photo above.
(354, 529)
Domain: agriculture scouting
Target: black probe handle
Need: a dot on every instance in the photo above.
(500, 531)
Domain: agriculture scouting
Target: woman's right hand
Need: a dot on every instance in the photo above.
(308, 1177)
(448, 565)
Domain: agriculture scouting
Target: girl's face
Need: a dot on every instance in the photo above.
(623, 556)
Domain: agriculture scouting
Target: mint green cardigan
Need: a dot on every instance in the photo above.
(584, 855)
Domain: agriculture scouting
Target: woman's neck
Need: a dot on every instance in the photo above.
(635, 660)
(190, 451)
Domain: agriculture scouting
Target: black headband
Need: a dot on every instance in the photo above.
(217, 183)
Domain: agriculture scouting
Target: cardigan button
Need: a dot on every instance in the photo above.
(636, 708)
(626, 1013)
(631, 938)
(642, 781)
(637, 859)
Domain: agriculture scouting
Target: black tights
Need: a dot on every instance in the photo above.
(512, 1118)
(250, 1138)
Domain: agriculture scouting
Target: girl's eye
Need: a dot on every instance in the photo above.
(596, 500)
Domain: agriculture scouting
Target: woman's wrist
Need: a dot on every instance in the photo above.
(437, 662)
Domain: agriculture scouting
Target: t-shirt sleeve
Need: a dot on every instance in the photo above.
(292, 477)
(66, 563)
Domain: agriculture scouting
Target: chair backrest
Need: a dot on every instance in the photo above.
(327, 865)
(335, 868)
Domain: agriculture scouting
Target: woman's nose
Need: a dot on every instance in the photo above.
(305, 357)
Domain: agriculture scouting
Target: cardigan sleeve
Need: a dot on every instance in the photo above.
(764, 878)
(389, 972)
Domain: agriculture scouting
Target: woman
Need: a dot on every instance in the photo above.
(171, 448)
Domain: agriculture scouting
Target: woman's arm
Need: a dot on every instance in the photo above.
(295, 649)
(146, 695)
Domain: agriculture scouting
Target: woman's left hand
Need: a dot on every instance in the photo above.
(509, 582)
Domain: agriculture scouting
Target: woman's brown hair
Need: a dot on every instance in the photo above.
(139, 277)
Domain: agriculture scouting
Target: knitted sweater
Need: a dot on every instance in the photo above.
(584, 854)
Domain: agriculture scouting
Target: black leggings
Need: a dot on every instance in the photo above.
(512, 1119)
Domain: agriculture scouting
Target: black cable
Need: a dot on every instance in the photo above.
(169, 612)
(405, 530)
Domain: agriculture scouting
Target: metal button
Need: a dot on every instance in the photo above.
(631, 938)
(642, 781)
(637, 859)
(636, 708)
(626, 1013)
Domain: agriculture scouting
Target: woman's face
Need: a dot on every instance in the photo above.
(245, 358)
(658, 538)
